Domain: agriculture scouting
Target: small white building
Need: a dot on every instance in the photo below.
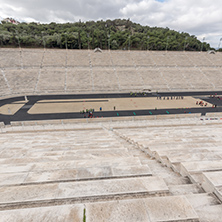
(11, 20)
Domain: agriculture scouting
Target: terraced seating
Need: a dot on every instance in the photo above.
(175, 79)
(122, 210)
(142, 59)
(50, 167)
(215, 59)
(79, 79)
(214, 76)
(90, 167)
(206, 206)
(81, 190)
(26, 81)
(150, 210)
(44, 153)
(199, 59)
(10, 58)
(181, 59)
(4, 89)
(54, 58)
(163, 59)
(110, 70)
(76, 58)
(152, 78)
(66, 213)
(197, 167)
(212, 182)
(128, 79)
(99, 59)
(105, 79)
(122, 59)
(193, 77)
(32, 57)
(51, 79)
(194, 151)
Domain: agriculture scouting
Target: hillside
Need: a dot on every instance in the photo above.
(116, 34)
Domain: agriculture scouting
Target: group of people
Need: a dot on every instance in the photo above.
(216, 96)
(201, 103)
(91, 111)
(170, 97)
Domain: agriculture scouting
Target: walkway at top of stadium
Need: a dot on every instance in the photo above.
(23, 115)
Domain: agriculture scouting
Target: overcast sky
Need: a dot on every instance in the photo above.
(202, 18)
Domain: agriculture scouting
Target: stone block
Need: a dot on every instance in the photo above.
(210, 213)
(199, 201)
(164, 209)
(147, 185)
(64, 213)
(211, 180)
(200, 166)
(123, 210)
(24, 194)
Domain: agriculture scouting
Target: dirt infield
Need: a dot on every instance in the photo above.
(11, 109)
(54, 107)
(69, 106)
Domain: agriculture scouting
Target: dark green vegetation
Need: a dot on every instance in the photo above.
(116, 34)
(84, 215)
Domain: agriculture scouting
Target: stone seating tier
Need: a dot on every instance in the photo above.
(105, 169)
(115, 71)
(194, 151)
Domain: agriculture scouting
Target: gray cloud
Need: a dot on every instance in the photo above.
(67, 10)
(199, 17)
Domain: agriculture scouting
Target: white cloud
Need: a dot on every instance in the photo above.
(199, 17)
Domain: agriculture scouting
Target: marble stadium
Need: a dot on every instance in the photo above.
(153, 168)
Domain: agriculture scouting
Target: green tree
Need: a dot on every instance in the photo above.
(81, 35)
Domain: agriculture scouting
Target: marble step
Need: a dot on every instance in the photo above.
(64, 213)
(68, 164)
(36, 195)
(185, 189)
(74, 174)
(212, 182)
(52, 155)
(202, 200)
(170, 158)
(200, 166)
(155, 209)
(210, 213)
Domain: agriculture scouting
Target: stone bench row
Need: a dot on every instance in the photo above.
(165, 209)
(74, 174)
(69, 164)
(38, 193)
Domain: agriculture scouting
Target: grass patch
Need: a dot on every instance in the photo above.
(84, 215)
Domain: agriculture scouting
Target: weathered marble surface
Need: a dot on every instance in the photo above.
(134, 210)
(126, 210)
(210, 213)
(170, 209)
(64, 213)
(75, 190)
(200, 166)
(212, 182)
(149, 209)
(59, 163)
